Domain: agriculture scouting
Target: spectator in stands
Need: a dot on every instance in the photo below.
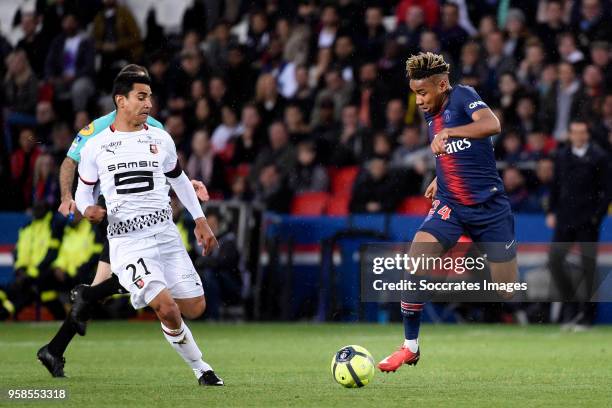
(601, 57)
(220, 270)
(392, 69)
(452, 36)
(296, 126)
(372, 40)
(562, 103)
(45, 119)
(226, 131)
(176, 127)
(394, 115)
(309, 175)
(191, 68)
(203, 164)
(516, 34)
(351, 142)
(412, 153)
(117, 38)
(330, 24)
(344, 58)
(530, 68)
(158, 71)
(602, 129)
(304, 94)
(240, 76)
(579, 201)
(34, 43)
(509, 93)
(593, 82)
(272, 190)
(473, 70)
(70, 64)
(514, 185)
(510, 146)
(526, 113)
(249, 143)
(568, 49)
(23, 161)
(61, 139)
(371, 97)
(337, 90)
(202, 116)
(382, 146)
(270, 103)
(431, 10)
(217, 94)
(53, 14)
(45, 181)
(594, 23)
(376, 190)
(552, 26)
(538, 146)
(20, 86)
(278, 152)
(540, 196)
(258, 35)
(218, 43)
(20, 94)
(408, 32)
(497, 62)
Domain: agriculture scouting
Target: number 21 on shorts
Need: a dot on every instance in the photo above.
(137, 280)
(444, 212)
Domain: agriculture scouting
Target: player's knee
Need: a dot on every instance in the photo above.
(196, 309)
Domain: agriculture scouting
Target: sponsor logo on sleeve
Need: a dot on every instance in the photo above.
(475, 104)
(87, 130)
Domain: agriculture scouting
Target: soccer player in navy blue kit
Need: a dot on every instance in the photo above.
(468, 194)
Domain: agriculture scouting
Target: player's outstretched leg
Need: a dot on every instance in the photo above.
(180, 338)
(52, 354)
(51, 361)
(409, 352)
(83, 296)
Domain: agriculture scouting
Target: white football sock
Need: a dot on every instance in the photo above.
(182, 341)
(412, 345)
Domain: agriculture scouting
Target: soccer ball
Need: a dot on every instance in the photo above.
(352, 366)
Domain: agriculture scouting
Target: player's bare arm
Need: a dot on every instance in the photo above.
(204, 236)
(485, 124)
(94, 214)
(432, 189)
(66, 176)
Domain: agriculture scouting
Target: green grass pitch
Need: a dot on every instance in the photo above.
(125, 364)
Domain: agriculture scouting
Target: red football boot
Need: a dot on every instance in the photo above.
(401, 356)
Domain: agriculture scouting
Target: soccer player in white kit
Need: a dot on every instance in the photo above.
(134, 164)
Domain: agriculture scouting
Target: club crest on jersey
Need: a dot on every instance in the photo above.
(87, 130)
(139, 283)
(153, 148)
(447, 116)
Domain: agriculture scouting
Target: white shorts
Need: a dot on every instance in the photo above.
(146, 266)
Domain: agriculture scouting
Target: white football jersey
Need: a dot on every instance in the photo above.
(130, 167)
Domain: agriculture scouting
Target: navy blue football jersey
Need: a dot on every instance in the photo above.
(467, 174)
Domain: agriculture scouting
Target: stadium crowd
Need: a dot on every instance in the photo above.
(297, 106)
(305, 89)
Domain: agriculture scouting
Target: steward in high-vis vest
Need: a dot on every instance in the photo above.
(37, 247)
(78, 254)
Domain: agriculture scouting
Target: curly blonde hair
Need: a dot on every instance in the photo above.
(426, 64)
